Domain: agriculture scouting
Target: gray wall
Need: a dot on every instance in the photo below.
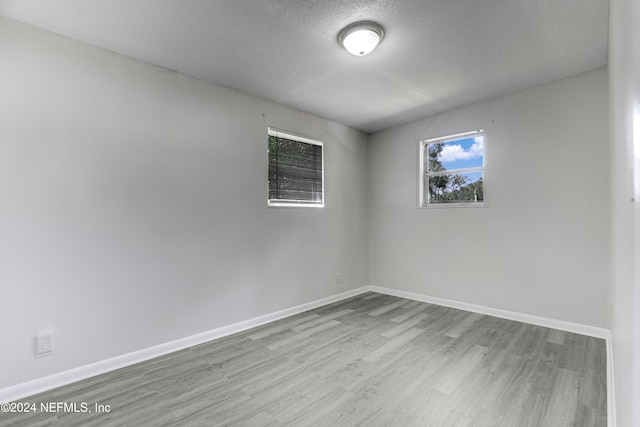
(134, 206)
(541, 247)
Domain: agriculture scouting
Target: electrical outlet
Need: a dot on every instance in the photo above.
(338, 277)
(44, 344)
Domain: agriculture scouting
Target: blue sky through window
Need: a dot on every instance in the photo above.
(463, 153)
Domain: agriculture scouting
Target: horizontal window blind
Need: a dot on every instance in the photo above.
(295, 170)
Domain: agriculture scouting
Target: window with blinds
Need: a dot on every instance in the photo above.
(296, 170)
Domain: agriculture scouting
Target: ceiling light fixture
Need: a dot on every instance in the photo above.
(360, 38)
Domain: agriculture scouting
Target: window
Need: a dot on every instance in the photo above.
(296, 170)
(452, 170)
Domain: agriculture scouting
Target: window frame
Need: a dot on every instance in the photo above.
(278, 133)
(423, 175)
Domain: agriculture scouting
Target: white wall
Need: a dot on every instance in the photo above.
(133, 206)
(541, 247)
(624, 75)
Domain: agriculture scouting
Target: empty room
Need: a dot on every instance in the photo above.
(341, 213)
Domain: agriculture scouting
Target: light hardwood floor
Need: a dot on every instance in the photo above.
(371, 360)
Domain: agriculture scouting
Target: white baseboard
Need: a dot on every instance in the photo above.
(40, 385)
(497, 312)
(30, 388)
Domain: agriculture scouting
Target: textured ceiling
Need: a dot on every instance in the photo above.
(436, 55)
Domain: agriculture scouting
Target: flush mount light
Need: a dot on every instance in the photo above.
(360, 38)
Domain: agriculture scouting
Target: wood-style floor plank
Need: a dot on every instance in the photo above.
(371, 360)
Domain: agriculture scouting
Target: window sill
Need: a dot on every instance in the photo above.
(455, 206)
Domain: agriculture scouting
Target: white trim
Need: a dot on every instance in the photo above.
(60, 379)
(562, 325)
(460, 171)
(293, 136)
(293, 204)
(457, 205)
(452, 137)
